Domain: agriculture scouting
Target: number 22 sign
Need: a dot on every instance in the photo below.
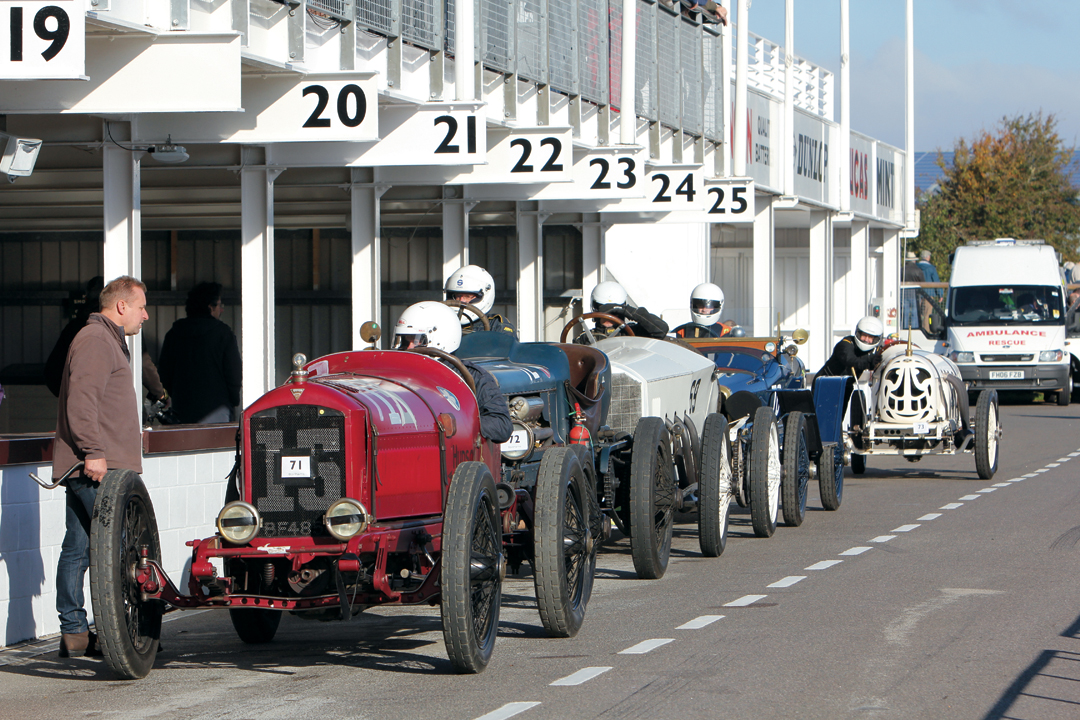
(42, 40)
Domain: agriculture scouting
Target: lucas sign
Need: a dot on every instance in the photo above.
(42, 40)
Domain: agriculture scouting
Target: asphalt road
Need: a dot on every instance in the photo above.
(929, 594)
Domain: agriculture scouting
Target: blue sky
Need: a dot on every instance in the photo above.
(975, 61)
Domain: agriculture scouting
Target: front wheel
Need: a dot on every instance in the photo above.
(652, 498)
(1065, 394)
(858, 464)
(764, 473)
(714, 486)
(564, 546)
(123, 525)
(255, 626)
(796, 471)
(987, 432)
(830, 472)
(472, 568)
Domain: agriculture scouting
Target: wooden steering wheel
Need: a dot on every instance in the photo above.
(620, 324)
(462, 307)
(451, 360)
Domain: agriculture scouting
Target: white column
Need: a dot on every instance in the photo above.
(764, 250)
(592, 256)
(741, 59)
(909, 121)
(464, 41)
(859, 285)
(821, 289)
(122, 205)
(890, 280)
(455, 226)
(787, 174)
(725, 92)
(845, 108)
(627, 109)
(257, 273)
(366, 263)
(530, 284)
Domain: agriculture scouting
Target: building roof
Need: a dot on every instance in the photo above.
(927, 172)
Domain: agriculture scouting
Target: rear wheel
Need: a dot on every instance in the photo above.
(652, 498)
(796, 470)
(123, 524)
(987, 432)
(472, 568)
(565, 547)
(764, 473)
(830, 472)
(858, 464)
(255, 626)
(714, 486)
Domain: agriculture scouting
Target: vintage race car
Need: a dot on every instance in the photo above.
(363, 481)
(912, 405)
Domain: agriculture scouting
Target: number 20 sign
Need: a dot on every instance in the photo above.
(42, 40)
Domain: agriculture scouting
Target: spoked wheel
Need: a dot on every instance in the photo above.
(714, 486)
(652, 498)
(472, 568)
(255, 626)
(764, 473)
(123, 525)
(830, 472)
(987, 433)
(858, 463)
(796, 471)
(565, 547)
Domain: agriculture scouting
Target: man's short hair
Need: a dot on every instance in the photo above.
(925, 255)
(122, 288)
(202, 297)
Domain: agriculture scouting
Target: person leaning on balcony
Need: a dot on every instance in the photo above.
(97, 423)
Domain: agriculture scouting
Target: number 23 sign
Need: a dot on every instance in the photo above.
(42, 40)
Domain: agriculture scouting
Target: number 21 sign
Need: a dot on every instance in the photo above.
(42, 40)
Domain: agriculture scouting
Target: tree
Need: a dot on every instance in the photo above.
(1009, 184)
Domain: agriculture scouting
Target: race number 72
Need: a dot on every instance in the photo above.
(44, 39)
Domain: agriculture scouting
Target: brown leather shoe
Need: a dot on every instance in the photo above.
(79, 645)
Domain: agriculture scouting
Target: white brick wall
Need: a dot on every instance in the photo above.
(187, 491)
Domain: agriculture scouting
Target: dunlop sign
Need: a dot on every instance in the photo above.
(42, 40)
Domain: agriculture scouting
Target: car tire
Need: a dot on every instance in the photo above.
(1065, 394)
(255, 626)
(764, 473)
(128, 628)
(714, 486)
(564, 543)
(796, 469)
(858, 464)
(652, 498)
(987, 432)
(472, 568)
(830, 472)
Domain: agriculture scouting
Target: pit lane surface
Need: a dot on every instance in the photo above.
(929, 594)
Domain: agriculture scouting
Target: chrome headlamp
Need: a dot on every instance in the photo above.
(346, 519)
(238, 522)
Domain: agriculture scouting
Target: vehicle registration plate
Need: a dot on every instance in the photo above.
(1006, 374)
(922, 428)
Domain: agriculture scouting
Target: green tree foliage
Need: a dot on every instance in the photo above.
(1011, 183)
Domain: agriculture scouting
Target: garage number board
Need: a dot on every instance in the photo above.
(525, 155)
(681, 189)
(42, 40)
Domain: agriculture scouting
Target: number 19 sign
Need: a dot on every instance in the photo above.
(42, 40)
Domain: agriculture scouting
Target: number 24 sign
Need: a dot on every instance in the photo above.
(42, 40)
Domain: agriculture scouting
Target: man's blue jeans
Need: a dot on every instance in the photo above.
(75, 555)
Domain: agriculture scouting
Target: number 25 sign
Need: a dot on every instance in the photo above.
(42, 40)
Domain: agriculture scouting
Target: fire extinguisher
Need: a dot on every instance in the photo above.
(579, 434)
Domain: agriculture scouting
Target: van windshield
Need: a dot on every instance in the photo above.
(1006, 305)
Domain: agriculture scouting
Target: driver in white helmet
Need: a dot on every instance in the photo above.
(706, 304)
(610, 297)
(432, 324)
(474, 285)
(858, 352)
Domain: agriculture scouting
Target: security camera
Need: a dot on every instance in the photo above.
(18, 155)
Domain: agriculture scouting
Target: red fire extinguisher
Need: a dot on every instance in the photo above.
(579, 434)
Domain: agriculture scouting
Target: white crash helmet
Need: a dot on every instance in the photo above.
(608, 292)
(475, 280)
(706, 303)
(431, 323)
(871, 326)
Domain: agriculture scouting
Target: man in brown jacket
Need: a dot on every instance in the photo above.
(98, 423)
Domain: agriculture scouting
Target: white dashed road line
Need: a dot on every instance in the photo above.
(883, 538)
(1016, 480)
(1050, 465)
(1074, 454)
(646, 646)
(787, 582)
(952, 506)
(745, 600)
(824, 565)
(581, 676)
(987, 490)
(1041, 470)
(508, 710)
(970, 497)
(1004, 484)
(1030, 475)
(930, 516)
(905, 528)
(855, 551)
(1060, 460)
(700, 622)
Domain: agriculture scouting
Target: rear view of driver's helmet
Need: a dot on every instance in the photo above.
(870, 328)
(706, 304)
(428, 324)
(474, 280)
(608, 292)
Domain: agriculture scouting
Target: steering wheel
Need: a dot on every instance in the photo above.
(462, 307)
(621, 325)
(453, 361)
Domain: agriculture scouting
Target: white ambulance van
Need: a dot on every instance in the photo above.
(1005, 324)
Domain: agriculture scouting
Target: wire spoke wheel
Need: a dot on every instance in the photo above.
(764, 473)
(715, 485)
(796, 470)
(652, 498)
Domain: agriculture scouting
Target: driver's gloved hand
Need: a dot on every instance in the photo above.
(619, 311)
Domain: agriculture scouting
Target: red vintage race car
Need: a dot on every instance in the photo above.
(363, 481)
